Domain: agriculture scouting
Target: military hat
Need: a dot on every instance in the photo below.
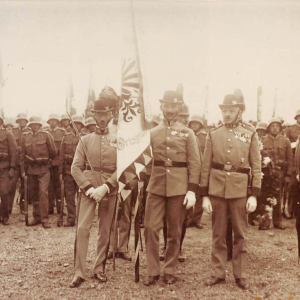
(35, 120)
(196, 118)
(184, 110)
(297, 114)
(78, 119)
(21, 116)
(106, 101)
(235, 100)
(261, 125)
(53, 117)
(170, 97)
(90, 121)
(64, 117)
(274, 120)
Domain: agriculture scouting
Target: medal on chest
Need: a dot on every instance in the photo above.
(242, 136)
(179, 132)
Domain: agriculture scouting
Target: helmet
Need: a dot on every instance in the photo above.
(21, 116)
(196, 118)
(35, 120)
(262, 125)
(78, 119)
(274, 120)
(64, 117)
(53, 117)
(184, 110)
(90, 121)
(235, 99)
(297, 114)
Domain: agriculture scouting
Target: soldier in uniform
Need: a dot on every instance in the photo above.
(98, 187)
(196, 123)
(37, 148)
(8, 164)
(54, 185)
(90, 124)
(65, 123)
(297, 203)
(22, 121)
(278, 149)
(261, 129)
(66, 156)
(172, 187)
(230, 150)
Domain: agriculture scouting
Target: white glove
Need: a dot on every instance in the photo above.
(207, 205)
(251, 204)
(99, 192)
(89, 191)
(189, 199)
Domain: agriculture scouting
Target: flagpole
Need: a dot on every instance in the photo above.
(259, 103)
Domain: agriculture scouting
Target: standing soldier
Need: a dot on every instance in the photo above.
(278, 149)
(197, 125)
(8, 156)
(66, 155)
(230, 151)
(90, 124)
(261, 129)
(172, 187)
(36, 151)
(54, 185)
(22, 121)
(99, 186)
(65, 123)
(297, 204)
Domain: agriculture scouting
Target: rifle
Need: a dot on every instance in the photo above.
(79, 193)
(25, 212)
(60, 220)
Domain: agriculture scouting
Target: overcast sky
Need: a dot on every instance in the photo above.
(221, 45)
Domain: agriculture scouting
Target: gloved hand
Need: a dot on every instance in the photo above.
(11, 173)
(60, 178)
(272, 200)
(189, 199)
(89, 192)
(251, 204)
(207, 205)
(99, 192)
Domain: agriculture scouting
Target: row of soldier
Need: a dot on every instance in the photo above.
(39, 159)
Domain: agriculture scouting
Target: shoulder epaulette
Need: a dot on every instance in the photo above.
(248, 126)
(219, 126)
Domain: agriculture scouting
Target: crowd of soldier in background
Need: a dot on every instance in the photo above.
(44, 153)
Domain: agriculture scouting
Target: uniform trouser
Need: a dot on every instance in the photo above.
(297, 210)
(124, 227)
(156, 208)
(70, 192)
(38, 186)
(277, 213)
(4, 193)
(294, 193)
(13, 188)
(54, 189)
(85, 222)
(237, 210)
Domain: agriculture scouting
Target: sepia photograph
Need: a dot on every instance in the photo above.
(149, 149)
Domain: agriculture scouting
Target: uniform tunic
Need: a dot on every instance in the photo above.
(102, 150)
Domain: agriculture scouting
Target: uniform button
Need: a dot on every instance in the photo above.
(228, 163)
(168, 171)
(168, 138)
(229, 140)
(230, 129)
(168, 148)
(102, 136)
(169, 127)
(228, 151)
(168, 158)
(102, 143)
(228, 174)
(102, 150)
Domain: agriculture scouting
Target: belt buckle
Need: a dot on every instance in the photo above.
(169, 163)
(228, 168)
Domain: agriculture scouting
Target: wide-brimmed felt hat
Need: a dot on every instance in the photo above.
(232, 100)
(107, 100)
(170, 97)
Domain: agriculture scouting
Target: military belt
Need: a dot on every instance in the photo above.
(170, 163)
(230, 168)
(100, 169)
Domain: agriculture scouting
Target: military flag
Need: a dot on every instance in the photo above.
(70, 98)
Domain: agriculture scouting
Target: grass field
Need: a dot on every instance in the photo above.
(38, 264)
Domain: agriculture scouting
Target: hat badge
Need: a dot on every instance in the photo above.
(175, 100)
(234, 102)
